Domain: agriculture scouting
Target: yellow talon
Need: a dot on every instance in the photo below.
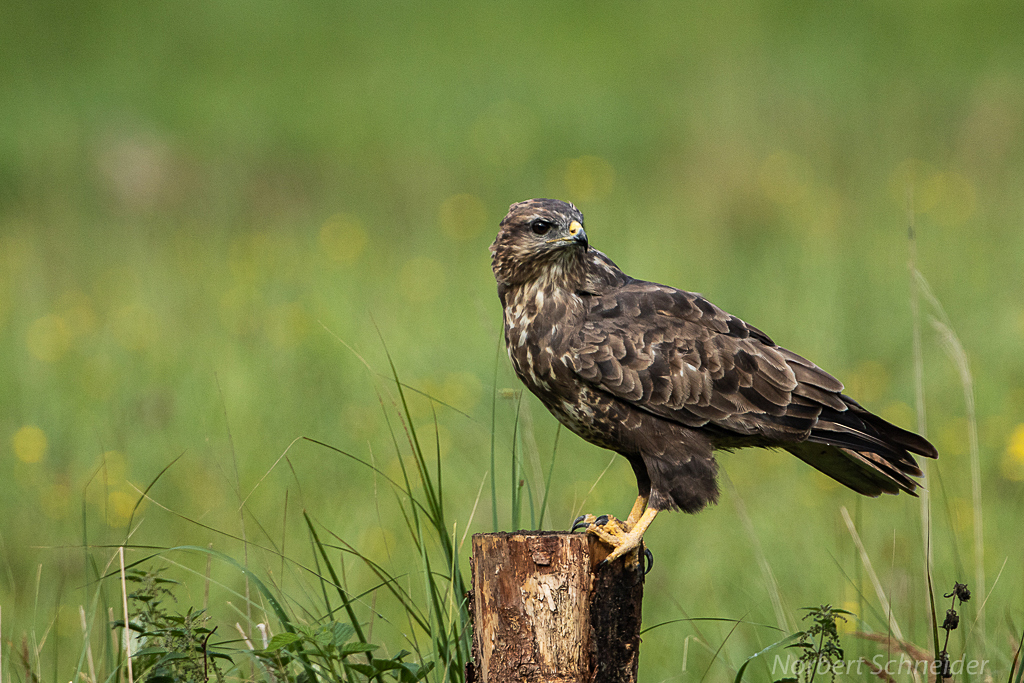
(630, 541)
(621, 536)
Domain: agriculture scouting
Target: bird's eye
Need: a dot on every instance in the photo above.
(541, 226)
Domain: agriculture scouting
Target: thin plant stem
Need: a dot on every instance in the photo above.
(866, 561)
(127, 630)
(494, 429)
(958, 356)
(925, 500)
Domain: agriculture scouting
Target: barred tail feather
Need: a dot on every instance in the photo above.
(863, 451)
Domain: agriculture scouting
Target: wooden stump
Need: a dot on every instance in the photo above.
(544, 611)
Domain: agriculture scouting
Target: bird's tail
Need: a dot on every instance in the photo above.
(864, 452)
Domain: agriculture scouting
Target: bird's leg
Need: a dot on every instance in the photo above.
(629, 541)
(638, 508)
(623, 536)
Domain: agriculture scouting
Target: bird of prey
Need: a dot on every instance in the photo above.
(664, 377)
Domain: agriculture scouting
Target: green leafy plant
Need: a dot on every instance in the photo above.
(328, 646)
(171, 646)
(820, 643)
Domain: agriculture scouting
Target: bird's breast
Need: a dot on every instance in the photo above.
(539, 324)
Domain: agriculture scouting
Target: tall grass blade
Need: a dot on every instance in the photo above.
(771, 583)
(86, 658)
(931, 598)
(433, 519)
(267, 594)
(342, 593)
(531, 471)
(719, 651)
(391, 583)
(433, 503)
(547, 479)
(149, 487)
(869, 568)
(593, 486)
(691, 620)
(856, 583)
(437, 461)
(494, 429)
(978, 622)
(472, 514)
(924, 500)
(516, 498)
(127, 628)
(1016, 661)
(959, 357)
(777, 644)
(957, 354)
(328, 609)
(87, 639)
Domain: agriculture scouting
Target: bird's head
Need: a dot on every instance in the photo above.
(538, 236)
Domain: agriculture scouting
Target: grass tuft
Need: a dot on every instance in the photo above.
(321, 628)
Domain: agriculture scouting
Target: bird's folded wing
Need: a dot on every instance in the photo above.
(676, 355)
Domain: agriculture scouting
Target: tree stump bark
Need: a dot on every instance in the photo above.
(545, 611)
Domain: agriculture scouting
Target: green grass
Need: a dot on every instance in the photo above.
(212, 214)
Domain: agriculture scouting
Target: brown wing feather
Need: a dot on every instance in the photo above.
(676, 355)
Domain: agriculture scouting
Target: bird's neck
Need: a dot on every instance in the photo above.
(576, 273)
(562, 269)
(565, 273)
(547, 307)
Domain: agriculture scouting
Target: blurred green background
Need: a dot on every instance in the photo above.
(211, 212)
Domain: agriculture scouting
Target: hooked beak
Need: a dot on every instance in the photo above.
(574, 235)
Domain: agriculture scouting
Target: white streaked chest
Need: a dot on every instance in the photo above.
(537, 321)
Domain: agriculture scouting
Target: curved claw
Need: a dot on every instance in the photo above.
(647, 557)
(584, 521)
(628, 541)
(621, 537)
(650, 562)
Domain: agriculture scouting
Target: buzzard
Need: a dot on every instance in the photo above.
(664, 377)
